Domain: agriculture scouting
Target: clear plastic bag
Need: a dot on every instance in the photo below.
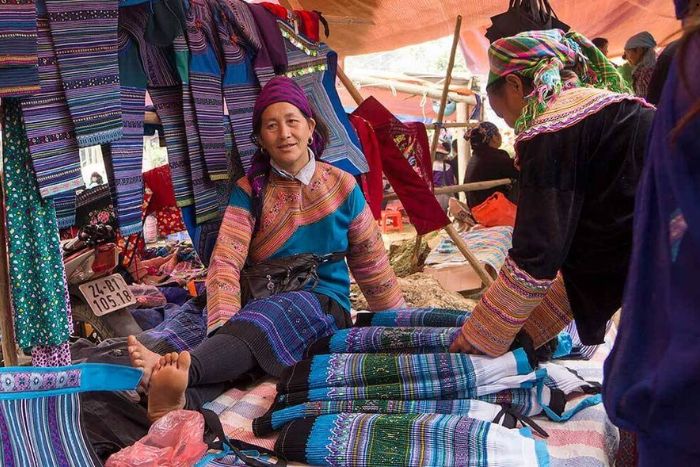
(175, 440)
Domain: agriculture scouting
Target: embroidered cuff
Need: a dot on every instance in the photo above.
(551, 315)
(503, 309)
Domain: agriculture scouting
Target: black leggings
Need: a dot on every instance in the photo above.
(217, 363)
(223, 359)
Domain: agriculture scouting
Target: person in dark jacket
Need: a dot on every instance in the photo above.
(488, 162)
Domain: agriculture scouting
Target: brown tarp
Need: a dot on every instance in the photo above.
(390, 24)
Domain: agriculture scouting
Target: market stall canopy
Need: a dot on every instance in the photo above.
(366, 26)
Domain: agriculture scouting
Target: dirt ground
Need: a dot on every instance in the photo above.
(420, 290)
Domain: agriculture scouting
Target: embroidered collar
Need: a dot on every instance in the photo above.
(304, 175)
(569, 108)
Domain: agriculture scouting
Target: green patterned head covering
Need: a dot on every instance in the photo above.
(541, 56)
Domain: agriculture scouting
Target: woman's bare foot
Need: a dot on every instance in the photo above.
(168, 384)
(142, 358)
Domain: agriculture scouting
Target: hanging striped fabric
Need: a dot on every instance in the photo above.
(18, 48)
(84, 34)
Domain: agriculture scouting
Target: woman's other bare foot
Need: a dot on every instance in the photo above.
(168, 384)
(142, 358)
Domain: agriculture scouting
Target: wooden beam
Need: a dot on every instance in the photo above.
(432, 126)
(474, 186)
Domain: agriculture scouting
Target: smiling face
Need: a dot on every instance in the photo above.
(508, 99)
(284, 134)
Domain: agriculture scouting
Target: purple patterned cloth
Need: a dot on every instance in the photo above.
(84, 35)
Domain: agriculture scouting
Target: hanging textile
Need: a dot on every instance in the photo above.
(372, 181)
(50, 130)
(19, 75)
(240, 84)
(271, 58)
(90, 73)
(313, 67)
(203, 190)
(403, 151)
(166, 70)
(126, 154)
(40, 413)
(206, 87)
(423, 439)
(39, 295)
(65, 209)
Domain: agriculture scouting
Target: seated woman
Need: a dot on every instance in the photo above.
(289, 203)
(488, 162)
(580, 149)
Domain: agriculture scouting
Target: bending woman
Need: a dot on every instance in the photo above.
(288, 203)
(580, 149)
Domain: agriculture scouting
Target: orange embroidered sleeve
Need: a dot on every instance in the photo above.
(369, 264)
(227, 260)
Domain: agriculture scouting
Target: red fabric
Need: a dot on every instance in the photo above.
(403, 149)
(277, 10)
(159, 182)
(372, 185)
(419, 155)
(309, 24)
(169, 221)
(308, 20)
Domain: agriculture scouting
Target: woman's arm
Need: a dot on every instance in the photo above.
(369, 262)
(227, 260)
(548, 213)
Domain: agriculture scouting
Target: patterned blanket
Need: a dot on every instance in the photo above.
(490, 246)
(587, 439)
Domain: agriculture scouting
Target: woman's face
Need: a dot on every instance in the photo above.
(508, 101)
(285, 134)
(634, 56)
(496, 141)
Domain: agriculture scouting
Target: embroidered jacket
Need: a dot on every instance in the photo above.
(326, 216)
(579, 165)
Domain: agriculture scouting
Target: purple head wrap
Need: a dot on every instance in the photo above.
(278, 89)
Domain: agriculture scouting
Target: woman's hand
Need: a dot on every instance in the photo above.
(462, 345)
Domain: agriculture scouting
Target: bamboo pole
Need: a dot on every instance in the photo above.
(475, 186)
(354, 93)
(462, 160)
(9, 349)
(459, 242)
(446, 87)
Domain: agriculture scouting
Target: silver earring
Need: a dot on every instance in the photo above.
(311, 140)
